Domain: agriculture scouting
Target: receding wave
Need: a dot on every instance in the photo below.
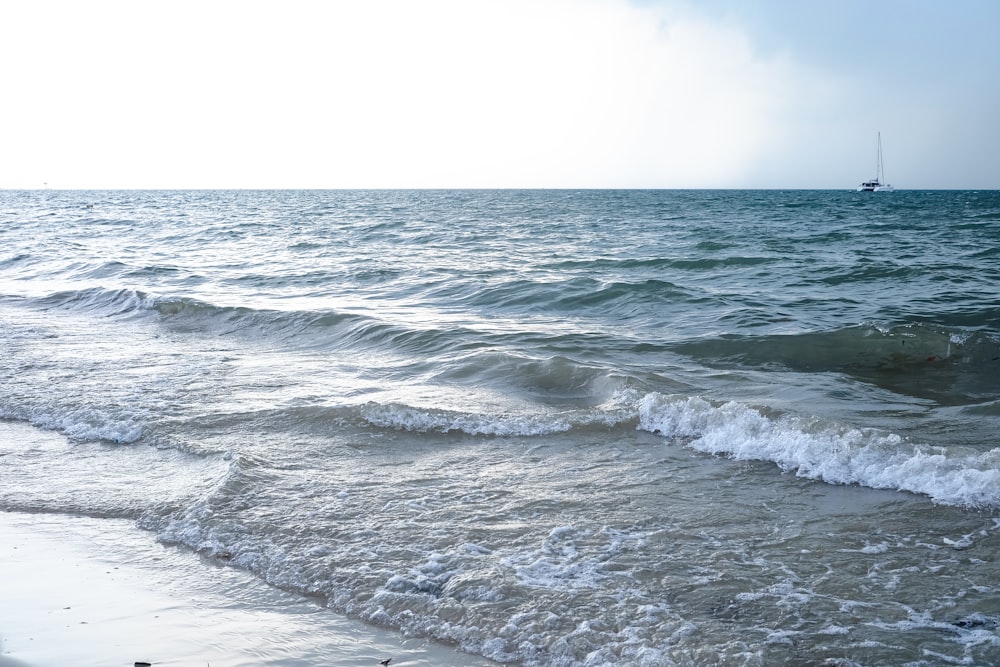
(45, 473)
(825, 451)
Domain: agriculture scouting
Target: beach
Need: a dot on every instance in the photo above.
(99, 592)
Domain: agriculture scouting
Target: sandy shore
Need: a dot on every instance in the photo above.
(81, 591)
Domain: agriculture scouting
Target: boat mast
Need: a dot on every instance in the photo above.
(879, 167)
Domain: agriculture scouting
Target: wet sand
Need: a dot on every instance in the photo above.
(99, 592)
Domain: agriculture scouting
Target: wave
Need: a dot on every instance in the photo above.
(808, 446)
(503, 424)
(825, 451)
(811, 447)
(98, 301)
(329, 329)
(665, 263)
(13, 260)
(577, 297)
(192, 314)
(947, 364)
(552, 380)
(873, 272)
(113, 424)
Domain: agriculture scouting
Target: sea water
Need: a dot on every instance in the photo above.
(547, 427)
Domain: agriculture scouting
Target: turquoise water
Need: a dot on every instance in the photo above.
(551, 427)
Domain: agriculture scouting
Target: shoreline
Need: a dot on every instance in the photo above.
(102, 592)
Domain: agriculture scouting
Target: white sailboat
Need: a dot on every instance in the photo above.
(877, 184)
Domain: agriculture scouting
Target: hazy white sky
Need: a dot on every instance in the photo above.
(498, 93)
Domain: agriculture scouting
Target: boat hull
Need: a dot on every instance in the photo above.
(875, 187)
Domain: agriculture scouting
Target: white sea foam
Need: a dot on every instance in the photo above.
(825, 451)
(557, 563)
(88, 424)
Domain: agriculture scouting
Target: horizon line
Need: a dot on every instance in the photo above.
(473, 189)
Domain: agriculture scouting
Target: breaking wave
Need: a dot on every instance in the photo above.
(833, 453)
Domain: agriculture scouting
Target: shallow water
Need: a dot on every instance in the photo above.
(92, 592)
(550, 427)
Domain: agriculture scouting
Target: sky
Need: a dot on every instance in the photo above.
(499, 93)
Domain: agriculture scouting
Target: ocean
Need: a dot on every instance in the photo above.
(548, 427)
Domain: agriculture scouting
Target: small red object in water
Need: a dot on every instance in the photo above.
(931, 358)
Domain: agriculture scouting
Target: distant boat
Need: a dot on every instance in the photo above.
(877, 184)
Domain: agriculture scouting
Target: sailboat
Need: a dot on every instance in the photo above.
(876, 185)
